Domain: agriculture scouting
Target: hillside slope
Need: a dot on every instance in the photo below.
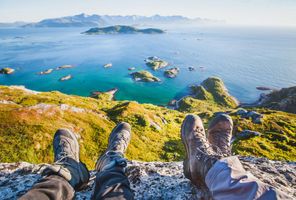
(29, 119)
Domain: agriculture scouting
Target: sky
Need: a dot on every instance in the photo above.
(241, 12)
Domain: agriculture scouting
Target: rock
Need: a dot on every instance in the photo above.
(173, 103)
(144, 76)
(247, 134)
(108, 65)
(172, 73)
(218, 113)
(255, 116)
(284, 100)
(108, 95)
(48, 71)
(263, 88)
(131, 68)
(191, 69)
(64, 67)
(156, 63)
(65, 78)
(151, 180)
(7, 102)
(6, 70)
(241, 112)
(154, 125)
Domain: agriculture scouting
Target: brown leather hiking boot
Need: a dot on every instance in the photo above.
(118, 142)
(220, 133)
(199, 155)
(66, 157)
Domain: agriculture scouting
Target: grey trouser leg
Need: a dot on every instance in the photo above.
(50, 188)
(227, 179)
(112, 184)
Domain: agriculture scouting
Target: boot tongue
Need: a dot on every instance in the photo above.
(64, 151)
(110, 160)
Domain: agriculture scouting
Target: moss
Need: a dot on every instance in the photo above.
(190, 104)
(201, 93)
(216, 87)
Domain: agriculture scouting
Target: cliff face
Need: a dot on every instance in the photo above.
(284, 100)
(151, 180)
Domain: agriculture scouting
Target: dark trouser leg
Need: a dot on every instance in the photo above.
(49, 188)
(112, 184)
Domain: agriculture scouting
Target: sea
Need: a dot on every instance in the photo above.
(244, 57)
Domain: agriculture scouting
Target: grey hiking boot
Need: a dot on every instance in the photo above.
(199, 155)
(66, 157)
(219, 134)
(117, 145)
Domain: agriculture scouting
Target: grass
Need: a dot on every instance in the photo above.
(27, 127)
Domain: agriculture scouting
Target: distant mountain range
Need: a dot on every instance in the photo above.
(13, 24)
(83, 20)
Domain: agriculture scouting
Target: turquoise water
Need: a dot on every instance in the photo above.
(243, 57)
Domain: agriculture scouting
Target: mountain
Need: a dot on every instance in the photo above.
(83, 20)
(12, 24)
(122, 30)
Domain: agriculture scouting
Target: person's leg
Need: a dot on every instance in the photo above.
(224, 177)
(111, 181)
(66, 175)
(197, 162)
(49, 188)
(227, 179)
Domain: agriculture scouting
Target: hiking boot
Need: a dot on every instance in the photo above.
(199, 156)
(66, 157)
(219, 134)
(117, 145)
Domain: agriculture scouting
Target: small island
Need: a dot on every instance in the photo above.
(65, 78)
(48, 71)
(172, 73)
(6, 70)
(191, 69)
(155, 63)
(108, 65)
(64, 67)
(144, 76)
(122, 30)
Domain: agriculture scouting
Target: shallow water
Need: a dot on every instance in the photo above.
(243, 57)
